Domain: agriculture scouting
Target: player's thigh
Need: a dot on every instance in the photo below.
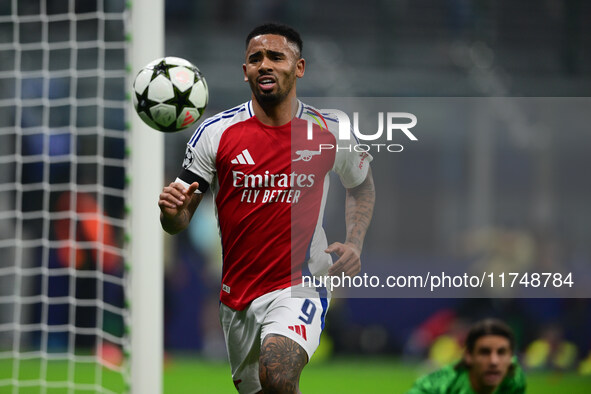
(281, 363)
(299, 319)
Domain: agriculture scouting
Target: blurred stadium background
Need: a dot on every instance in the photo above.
(534, 214)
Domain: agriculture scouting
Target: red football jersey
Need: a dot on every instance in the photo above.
(270, 186)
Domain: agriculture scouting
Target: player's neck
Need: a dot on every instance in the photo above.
(275, 114)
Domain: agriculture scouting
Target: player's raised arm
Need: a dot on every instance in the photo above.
(177, 206)
(359, 205)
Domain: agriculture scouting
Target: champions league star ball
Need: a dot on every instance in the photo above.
(170, 94)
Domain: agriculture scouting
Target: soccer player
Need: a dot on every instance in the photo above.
(488, 365)
(269, 179)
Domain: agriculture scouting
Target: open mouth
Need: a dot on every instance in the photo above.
(266, 83)
(492, 375)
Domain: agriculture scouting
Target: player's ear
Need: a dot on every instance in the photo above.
(300, 67)
(244, 71)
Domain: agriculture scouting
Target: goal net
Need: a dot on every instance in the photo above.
(64, 223)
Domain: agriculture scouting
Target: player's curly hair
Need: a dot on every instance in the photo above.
(282, 30)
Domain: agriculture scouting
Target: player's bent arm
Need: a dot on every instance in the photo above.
(177, 206)
(359, 205)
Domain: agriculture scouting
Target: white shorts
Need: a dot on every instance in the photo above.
(300, 319)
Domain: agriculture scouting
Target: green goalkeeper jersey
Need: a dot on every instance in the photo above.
(451, 380)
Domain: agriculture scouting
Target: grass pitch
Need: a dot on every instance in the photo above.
(346, 375)
(191, 375)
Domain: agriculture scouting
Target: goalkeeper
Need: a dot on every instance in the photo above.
(488, 365)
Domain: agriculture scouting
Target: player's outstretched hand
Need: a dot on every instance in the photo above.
(349, 261)
(175, 198)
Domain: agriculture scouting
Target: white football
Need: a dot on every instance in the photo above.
(170, 94)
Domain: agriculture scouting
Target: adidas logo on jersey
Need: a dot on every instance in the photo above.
(300, 330)
(243, 158)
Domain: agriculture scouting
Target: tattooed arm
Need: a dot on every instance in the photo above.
(358, 212)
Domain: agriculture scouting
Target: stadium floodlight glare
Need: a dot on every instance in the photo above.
(80, 244)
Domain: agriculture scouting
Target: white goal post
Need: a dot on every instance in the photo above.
(147, 176)
(81, 248)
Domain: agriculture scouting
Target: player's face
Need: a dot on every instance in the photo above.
(272, 67)
(489, 362)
